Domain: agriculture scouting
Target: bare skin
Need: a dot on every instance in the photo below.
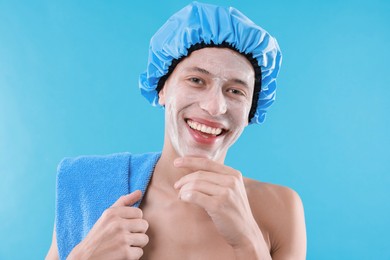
(118, 234)
(196, 207)
(181, 229)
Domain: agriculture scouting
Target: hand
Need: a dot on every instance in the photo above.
(219, 190)
(118, 234)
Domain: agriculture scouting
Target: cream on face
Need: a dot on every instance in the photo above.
(207, 100)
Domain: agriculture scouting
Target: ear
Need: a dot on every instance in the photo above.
(161, 97)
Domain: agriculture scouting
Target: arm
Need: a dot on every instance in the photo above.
(53, 250)
(241, 209)
(279, 211)
(292, 230)
(118, 234)
(220, 190)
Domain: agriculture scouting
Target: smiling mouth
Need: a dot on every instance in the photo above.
(204, 129)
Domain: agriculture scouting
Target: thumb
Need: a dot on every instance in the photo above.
(128, 200)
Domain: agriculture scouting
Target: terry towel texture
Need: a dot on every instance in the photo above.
(88, 185)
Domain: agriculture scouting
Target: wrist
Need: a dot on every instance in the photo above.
(252, 251)
(253, 247)
(78, 253)
(74, 255)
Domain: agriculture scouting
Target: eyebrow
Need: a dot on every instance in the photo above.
(197, 69)
(206, 72)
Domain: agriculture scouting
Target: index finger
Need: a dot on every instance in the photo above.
(201, 164)
(128, 200)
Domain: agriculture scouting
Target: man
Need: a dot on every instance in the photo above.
(214, 72)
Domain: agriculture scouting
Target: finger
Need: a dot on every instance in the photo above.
(212, 177)
(204, 164)
(138, 240)
(207, 188)
(134, 252)
(128, 200)
(137, 225)
(124, 212)
(202, 200)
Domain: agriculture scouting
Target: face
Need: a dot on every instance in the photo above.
(207, 99)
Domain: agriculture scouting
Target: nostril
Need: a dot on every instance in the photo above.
(214, 105)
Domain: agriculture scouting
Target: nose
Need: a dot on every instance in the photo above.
(214, 102)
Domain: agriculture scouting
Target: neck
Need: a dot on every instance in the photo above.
(166, 174)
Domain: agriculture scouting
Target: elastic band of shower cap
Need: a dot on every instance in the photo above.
(210, 24)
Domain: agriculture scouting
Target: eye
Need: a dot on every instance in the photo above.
(195, 80)
(236, 92)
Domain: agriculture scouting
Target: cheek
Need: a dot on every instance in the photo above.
(240, 112)
(174, 103)
(183, 97)
(169, 110)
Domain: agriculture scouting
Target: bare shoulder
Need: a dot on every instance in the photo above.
(278, 210)
(272, 204)
(272, 196)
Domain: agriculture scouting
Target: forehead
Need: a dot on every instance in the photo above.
(222, 62)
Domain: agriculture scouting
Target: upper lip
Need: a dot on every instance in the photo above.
(206, 122)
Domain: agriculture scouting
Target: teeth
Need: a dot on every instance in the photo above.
(203, 128)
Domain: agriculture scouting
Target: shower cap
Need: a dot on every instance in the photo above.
(211, 24)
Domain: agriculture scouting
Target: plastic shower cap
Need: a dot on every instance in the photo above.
(210, 24)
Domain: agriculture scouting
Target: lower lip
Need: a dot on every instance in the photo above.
(201, 138)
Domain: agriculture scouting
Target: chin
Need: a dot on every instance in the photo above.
(201, 153)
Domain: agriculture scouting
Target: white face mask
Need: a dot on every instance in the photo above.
(207, 99)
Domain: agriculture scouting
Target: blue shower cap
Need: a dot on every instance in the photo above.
(210, 24)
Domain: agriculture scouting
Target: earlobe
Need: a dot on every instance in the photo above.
(161, 97)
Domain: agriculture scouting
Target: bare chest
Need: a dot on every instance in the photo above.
(178, 230)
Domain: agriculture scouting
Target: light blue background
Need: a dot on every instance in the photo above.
(68, 86)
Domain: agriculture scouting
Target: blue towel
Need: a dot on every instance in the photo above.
(88, 185)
